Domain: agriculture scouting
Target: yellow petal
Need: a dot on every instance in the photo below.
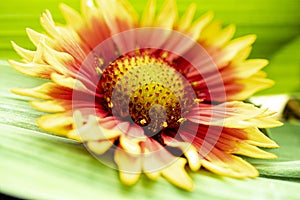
(153, 175)
(187, 18)
(78, 122)
(265, 122)
(48, 106)
(231, 166)
(24, 53)
(257, 138)
(68, 82)
(131, 145)
(189, 151)
(58, 60)
(100, 147)
(210, 31)
(222, 37)
(78, 119)
(66, 39)
(234, 114)
(192, 156)
(247, 115)
(48, 23)
(129, 167)
(36, 37)
(167, 16)
(92, 130)
(59, 124)
(251, 85)
(148, 14)
(32, 69)
(249, 67)
(243, 148)
(158, 161)
(71, 16)
(129, 9)
(40, 92)
(198, 26)
(242, 55)
(233, 47)
(176, 174)
(89, 10)
(118, 10)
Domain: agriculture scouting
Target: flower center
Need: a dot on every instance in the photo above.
(146, 90)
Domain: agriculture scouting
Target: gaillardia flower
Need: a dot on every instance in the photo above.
(164, 94)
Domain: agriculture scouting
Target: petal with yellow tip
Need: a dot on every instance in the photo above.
(68, 82)
(189, 151)
(130, 145)
(130, 167)
(36, 38)
(32, 69)
(149, 14)
(198, 26)
(59, 124)
(92, 130)
(187, 18)
(167, 16)
(176, 174)
(230, 51)
(51, 105)
(24, 53)
(256, 137)
(45, 91)
(229, 165)
(101, 146)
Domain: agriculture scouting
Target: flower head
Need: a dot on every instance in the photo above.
(163, 93)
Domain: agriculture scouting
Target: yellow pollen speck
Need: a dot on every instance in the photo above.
(198, 100)
(143, 121)
(99, 71)
(100, 61)
(164, 55)
(110, 105)
(194, 83)
(165, 125)
(181, 120)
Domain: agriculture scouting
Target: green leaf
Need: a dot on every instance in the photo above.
(37, 165)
